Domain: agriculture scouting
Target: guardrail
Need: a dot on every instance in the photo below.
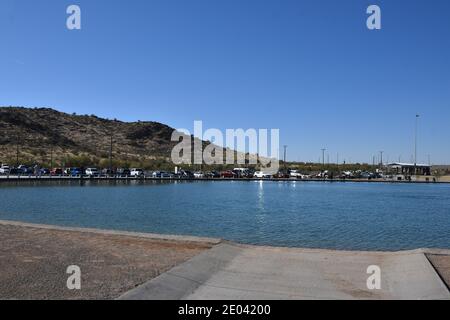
(150, 178)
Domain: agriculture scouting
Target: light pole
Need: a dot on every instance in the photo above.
(110, 154)
(17, 149)
(337, 162)
(323, 159)
(415, 144)
(51, 156)
(52, 142)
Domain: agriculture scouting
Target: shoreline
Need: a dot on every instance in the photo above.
(151, 179)
(211, 240)
(110, 232)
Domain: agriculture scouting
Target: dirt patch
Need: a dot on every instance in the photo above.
(33, 262)
(442, 265)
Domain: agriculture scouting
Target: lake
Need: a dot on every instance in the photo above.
(338, 215)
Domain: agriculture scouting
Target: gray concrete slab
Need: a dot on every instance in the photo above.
(241, 272)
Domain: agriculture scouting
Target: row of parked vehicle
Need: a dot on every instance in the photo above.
(138, 172)
(133, 172)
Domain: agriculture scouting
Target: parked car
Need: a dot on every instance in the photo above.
(136, 172)
(199, 175)
(23, 169)
(212, 174)
(296, 174)
(123, 172)
(76, 172)
(15, 171)
(92, 172)
(162, 174)
(56, 172)
(5, 169)
(170, 175)
(44, 171)
(366, 175)
(186, 174)
(227, 174)
(262, 175)
(108, 172)
(241, 172)
(323, 175)
(26, 170)
(347, 175)
(282, 175)
(157, 174)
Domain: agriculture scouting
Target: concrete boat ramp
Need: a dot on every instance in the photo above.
(241, 272)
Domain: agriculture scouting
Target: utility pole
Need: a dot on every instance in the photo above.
(17, 149)
(110, 154)
(52, 143)
(337, 162)
(323, 159)
(415, 144)
(51, 156)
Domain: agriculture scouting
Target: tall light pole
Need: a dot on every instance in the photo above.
(52, 142)
(51, 156)
(415, 143)
(337, 161)
(17, 149)
(323, 159)
(110, 154)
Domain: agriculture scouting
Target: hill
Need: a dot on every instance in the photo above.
(41, 134)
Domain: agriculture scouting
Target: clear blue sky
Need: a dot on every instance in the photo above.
(310, 68)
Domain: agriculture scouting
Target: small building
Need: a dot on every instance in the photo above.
(409, 168)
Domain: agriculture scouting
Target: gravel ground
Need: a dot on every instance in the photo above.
(441, 264)
(33, 262)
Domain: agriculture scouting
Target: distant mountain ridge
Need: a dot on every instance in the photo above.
(37, 131)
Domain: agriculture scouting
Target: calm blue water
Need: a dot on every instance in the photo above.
(354, 216)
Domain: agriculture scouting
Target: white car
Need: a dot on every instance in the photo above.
(136, 172)
(262, 175)
(92, 172)
(4, 169)
(296, 174)
(199, 175)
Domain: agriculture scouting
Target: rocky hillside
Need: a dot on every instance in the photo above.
(36, 132)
